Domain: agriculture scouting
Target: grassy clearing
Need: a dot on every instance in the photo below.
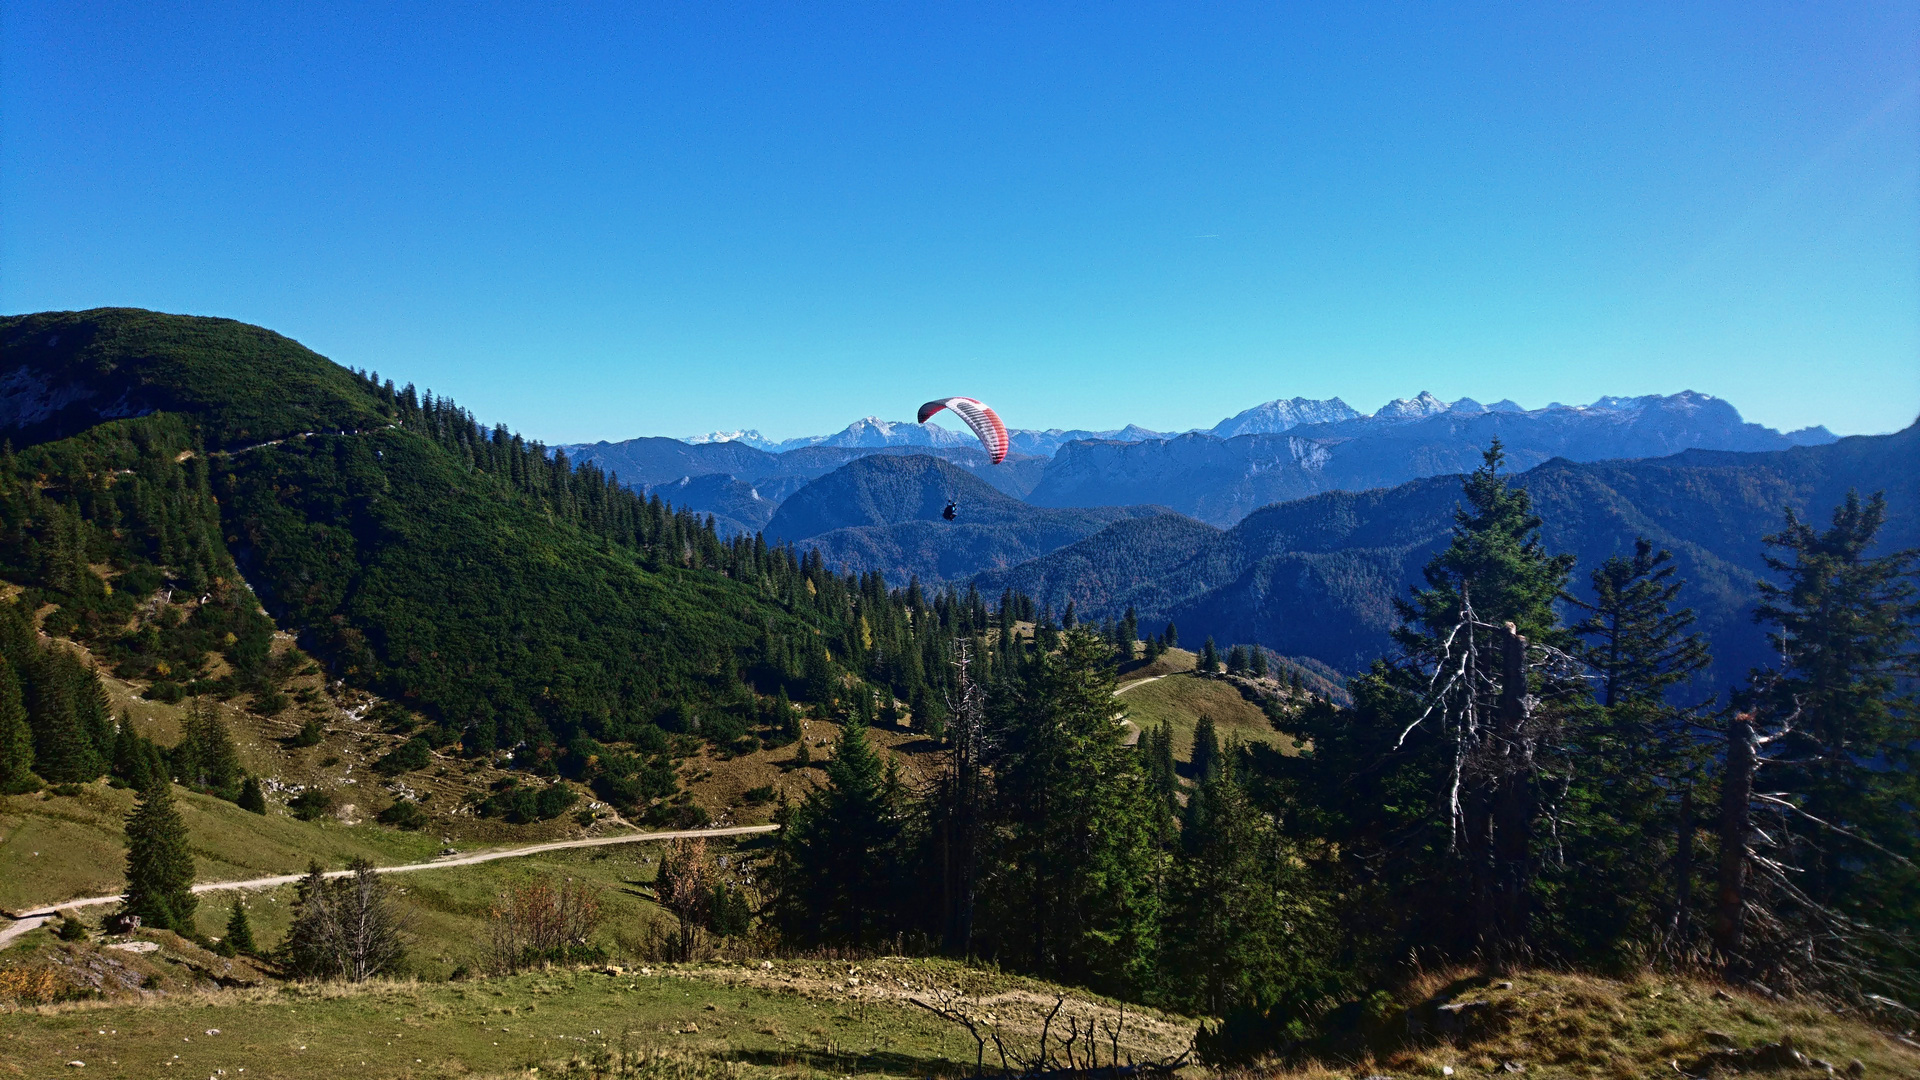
(792, 1018)
(1555, 1025)
(58, 847)
(1181, 699)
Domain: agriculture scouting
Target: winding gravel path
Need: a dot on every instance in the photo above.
(30, 920)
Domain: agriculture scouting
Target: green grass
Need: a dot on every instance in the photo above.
(1181, 699)
(1565, 1025)
(798, 1018)
(56, 847)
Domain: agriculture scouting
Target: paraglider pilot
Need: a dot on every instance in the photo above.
(949, 513)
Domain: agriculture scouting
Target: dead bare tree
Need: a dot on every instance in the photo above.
(1489, 690)
(961, 833)
(1050, 1055)
(1767, 929)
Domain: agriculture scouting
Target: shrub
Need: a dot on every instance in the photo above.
(310, 733)
(166, 691)
(408, 756)
(310, 805)
(404, 814)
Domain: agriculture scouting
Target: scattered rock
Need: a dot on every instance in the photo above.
(1856, 1069)
(76, 1064)
(1512, 1066)
(1722, 995)
(135, 946)
(711, 1007)
(1719, 1038)
(1503, 986)
(766, 965)
(691, 1029)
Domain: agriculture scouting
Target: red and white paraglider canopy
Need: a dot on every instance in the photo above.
(984, 422)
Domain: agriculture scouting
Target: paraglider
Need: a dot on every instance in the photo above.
(984, 422)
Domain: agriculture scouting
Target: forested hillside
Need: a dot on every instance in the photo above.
(502, 597)
(1316, 577)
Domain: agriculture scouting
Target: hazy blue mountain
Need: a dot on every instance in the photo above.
(1317, 576)
(1222, 480)
(884, 512)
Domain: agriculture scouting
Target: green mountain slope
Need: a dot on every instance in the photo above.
(884, 513)
(69, 370)
(231, 480)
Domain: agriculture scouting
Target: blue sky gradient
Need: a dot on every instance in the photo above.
(599, 222)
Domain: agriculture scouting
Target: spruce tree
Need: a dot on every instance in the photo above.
(16, 738)
(835, 873)
(159, 866)
(239, 935)
(1206, 749)
(63, 748)
(1844, 622)
(1627, 823)
(1210, 657)
(1074, 893)
(1638, 641)
(1171, 635)
(252, 798)
(1259, 662)
(1244, 928)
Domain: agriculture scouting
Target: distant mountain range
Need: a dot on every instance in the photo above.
(1280, 450)
(1317, 577)
(1270, 418)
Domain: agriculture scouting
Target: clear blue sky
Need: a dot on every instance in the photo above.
(667, 218)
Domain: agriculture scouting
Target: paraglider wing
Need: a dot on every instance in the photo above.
(984, 422)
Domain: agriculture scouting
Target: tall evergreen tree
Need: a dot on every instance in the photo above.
(1843, 621)
(63, 748)
(1626, 824)
(1074, 892)
(1638, 641)
(1206, 749)
(835, 872)
(1243, 924)
(159, 866)
(16, 738)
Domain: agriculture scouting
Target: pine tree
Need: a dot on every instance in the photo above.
(239, 936)
(16, 738)
(1844, 623)
(63, 748)
(1639, 643)
(835, 874)
(159, 866)
(1243, 926)
(1074, 891)
(1206, 749)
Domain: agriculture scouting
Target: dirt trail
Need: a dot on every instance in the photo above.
(29, 920)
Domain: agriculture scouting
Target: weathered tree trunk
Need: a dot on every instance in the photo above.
(1736, 826)
(961, 870)
(1512, 808)
(1679, 931)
